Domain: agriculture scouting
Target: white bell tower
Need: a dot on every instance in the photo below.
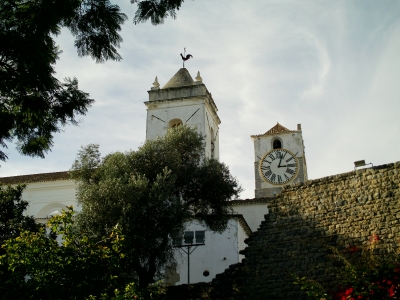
(183, 101)
(279, 159)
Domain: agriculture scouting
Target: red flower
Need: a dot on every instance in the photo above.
(349, 291)
(391, 290)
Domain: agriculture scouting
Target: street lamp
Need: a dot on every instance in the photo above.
(190, 239)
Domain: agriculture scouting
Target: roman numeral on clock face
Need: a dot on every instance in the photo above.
(282, 157)
(271, 156)
(279, 179)
(273, 177)
(266, 160)
(289, 171)
(265, 168)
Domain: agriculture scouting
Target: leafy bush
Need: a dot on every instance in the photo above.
(78, 268)
(365, 275)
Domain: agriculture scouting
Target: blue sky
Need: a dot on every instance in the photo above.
(332, 66)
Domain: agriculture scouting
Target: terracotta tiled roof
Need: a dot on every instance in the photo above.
(35, 178)
(278, 128)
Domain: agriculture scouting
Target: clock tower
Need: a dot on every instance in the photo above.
(183, 101)
(279, 160)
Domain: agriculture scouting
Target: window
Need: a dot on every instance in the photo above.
(277, 144)
(190, 238)
(200, 237)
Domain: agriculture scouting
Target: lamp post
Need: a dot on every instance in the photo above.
(189, 251)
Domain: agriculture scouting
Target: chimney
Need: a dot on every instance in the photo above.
(298, 126)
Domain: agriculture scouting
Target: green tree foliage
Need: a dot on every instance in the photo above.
(12, 223)
(151, 193)
(12, 219)
(33, 103)
(79, 268)
(156, 10)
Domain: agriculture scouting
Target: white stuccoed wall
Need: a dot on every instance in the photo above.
(253, 213)
(212, 132)
(292, 141)
(46, 197)
(168, 111)
(203, 119)
(219, 252)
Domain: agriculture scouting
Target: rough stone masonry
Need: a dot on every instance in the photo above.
(303, 221)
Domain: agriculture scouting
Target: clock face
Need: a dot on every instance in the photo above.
(278, 166)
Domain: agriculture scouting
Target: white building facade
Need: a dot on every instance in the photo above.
(201, 259)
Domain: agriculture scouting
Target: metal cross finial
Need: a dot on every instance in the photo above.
(184, 55)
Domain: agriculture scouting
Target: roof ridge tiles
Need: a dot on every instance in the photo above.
(278, 128)
(40, 177)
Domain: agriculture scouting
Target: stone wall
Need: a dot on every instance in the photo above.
(303, 221)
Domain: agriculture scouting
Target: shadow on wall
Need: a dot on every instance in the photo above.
(304, 221)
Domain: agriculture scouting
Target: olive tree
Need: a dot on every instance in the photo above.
(151, 193)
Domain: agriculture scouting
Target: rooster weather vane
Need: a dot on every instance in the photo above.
(185, 57)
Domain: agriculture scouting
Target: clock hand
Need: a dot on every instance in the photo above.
(279, 166)
(280, 162)
(282, 157)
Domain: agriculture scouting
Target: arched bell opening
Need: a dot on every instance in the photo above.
(175, 123)
(277, 144)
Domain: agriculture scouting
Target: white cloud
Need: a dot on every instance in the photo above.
(331, 66)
